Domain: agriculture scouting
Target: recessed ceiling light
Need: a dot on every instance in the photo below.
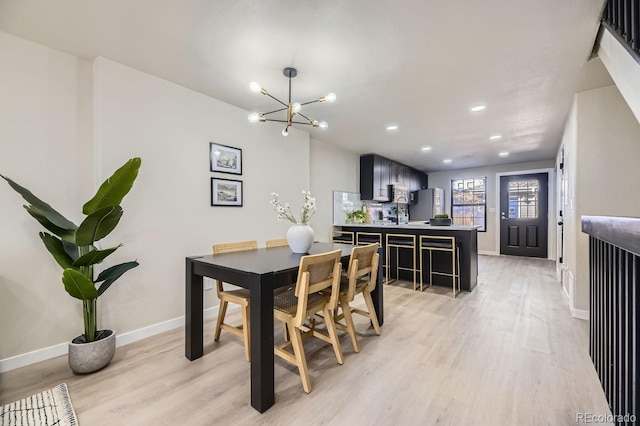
(495, 137)
(504, 154)
(392, 127)
(426, 148)
(447, 160)
(478, 108)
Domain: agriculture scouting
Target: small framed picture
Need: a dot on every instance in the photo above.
(226, 192)
(225, 159)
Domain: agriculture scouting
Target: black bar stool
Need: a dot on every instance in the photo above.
(345, 237)
(401, 241)
(364, 238)
(441, 243)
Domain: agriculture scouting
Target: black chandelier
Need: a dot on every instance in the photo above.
(292, 109)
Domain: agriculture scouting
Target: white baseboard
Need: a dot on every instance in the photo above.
(576, 313)
(44, 354)
(488, 252)
(580, 314)
(18, 361)
(565, 296)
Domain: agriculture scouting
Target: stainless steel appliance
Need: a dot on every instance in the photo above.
(429, 202)
(398, 194)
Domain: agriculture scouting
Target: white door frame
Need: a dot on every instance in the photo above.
(551, 230)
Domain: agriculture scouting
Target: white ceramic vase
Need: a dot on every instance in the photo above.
(300, 237)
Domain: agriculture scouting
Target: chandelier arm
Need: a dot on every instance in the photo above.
(275, 99)
(277, 110)
(310, 102)
(278, 121)
(302, 115)
(285, 121)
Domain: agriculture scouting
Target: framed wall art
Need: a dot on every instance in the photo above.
(226, 192)
(225, 159)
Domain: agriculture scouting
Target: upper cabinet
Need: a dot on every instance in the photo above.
(377, 172)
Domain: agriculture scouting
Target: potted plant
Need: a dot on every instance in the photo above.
(73, 248)
(357, 216)
(441, 219)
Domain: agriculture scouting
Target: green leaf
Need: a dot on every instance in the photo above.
(56, 248)
(78, 286)
(71, 249)
(98, 225)
(113, 190)
(93, 257)
(66, 234)
(40, 208)
(111, 274)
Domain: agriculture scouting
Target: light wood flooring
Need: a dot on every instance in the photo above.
(506, 354)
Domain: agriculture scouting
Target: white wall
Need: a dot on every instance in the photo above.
(332, 168)
(602, 148)
(624, 70)
(40, 148)
(168, 215)
(487, 240)
(53, 104)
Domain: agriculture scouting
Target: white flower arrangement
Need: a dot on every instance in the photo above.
(284, 210)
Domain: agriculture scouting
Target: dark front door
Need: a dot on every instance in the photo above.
(523, 215)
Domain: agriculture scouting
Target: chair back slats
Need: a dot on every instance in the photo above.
(316, 273)
(277, 243)
(231, 247)
(364, 261)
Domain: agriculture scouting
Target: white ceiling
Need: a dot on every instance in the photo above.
(420, 64)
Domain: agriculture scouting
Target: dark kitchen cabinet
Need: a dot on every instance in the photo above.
(377, 172)
(401, 175)
(375, 175)
(418, 180)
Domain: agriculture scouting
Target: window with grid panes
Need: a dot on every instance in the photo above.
(469, 202)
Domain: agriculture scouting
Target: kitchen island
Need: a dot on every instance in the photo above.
(466, 237)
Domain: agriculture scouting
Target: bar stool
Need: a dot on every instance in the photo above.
(338, 236)
(365, 238)
(398, 241)
(441, 243)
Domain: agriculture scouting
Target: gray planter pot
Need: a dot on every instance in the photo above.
(440, 221)
(92, 356)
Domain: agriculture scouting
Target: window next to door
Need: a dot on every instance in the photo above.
(469, 202)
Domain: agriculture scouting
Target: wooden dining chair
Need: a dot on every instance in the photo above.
(239, 296)
(360, 279)
(316, 290)
(277, 243)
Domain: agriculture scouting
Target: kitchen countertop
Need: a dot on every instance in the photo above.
(411, 226)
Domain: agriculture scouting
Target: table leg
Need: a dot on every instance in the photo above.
(376, 294)
(261, 333)
(194, 311)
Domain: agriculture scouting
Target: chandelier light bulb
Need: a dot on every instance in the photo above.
(294, 114)
(255, 87)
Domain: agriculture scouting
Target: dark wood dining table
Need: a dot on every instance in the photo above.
(261, 271)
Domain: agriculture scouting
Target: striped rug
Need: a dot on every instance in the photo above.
(48, 408)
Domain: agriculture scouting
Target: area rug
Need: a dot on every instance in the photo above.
(48, 408)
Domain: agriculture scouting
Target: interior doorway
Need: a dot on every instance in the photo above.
(524, 214)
